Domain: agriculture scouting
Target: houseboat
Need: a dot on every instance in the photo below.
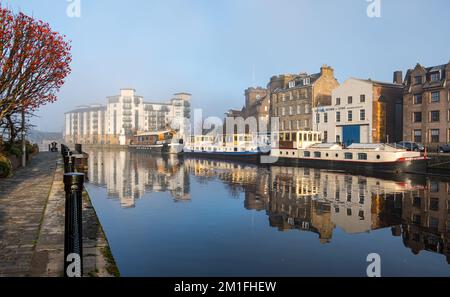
(238, 147)
(306, 149)
(163, 142)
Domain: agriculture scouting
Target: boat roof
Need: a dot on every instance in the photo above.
(367, 146)
(326, 145)
(153, 133)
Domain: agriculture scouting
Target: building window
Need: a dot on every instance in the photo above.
(417, 202)
(434, 223)
(338, 116)
(350, 100)
(348, 156)
(362, 115)
(307, 109)
(325, 117)
(362, 156)
(434, 136)
(325, 136)
(434, 187)
(362, 98)
(418, 99)
(283, 111)
(299, 109)
(417, 117)
(350, 116)
(418, 80)
(338, 101)
(434, 116)
(318, 118)
(434, 204)
(435, 76)
(291, 84)
(435, 97)
(291, 110)
(416, 219)
(417, 136)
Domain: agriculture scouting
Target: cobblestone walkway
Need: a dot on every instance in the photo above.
(23, 198)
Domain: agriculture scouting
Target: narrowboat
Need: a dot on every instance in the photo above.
(306, 149)
(163, 142)
(238, 147)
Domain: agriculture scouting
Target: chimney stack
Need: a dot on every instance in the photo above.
(398, 77)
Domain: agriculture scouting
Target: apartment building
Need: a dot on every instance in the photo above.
(122, 116)
(293, 96)
(426, 105)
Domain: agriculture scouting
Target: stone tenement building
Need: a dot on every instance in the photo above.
(123, 115)
(257, 105)
(294, 95)
(426, 105)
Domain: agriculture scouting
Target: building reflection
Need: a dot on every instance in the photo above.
(300, 199)
(320, 201)
(128, 176)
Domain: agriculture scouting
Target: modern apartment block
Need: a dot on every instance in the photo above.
(293, 96)
(122, 116)
(362, 111)
(426, 105)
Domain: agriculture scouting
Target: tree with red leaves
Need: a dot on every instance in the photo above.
(34, 62)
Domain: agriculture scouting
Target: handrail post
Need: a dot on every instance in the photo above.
(73, 239)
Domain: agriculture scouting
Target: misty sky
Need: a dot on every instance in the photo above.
(210, 47)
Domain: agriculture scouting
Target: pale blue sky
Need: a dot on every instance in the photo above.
(210, 47)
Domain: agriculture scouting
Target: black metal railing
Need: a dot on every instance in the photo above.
(73, 236)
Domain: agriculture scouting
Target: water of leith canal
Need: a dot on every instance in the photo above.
(193, 217)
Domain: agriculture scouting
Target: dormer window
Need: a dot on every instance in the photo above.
(435, 76)
(418, 80)
(306, 81)
(292, 84)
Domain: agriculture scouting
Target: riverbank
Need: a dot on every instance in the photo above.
(32, 210)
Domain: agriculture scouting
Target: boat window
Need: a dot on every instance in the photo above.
(317, 154)
(235, 149)
(288, 137)
(320, 137)
(294, 136)
(362, 156)
(307, 154)
(310, 137)
(348, 156)
(235, 138)
(241, 138)
(378, 157)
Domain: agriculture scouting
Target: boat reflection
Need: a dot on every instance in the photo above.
(310, 200)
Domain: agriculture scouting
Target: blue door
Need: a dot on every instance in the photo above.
(351, 134)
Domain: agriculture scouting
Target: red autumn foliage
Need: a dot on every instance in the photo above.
(34, 62)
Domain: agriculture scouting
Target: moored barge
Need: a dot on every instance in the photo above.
(306, 149)
(238, 147)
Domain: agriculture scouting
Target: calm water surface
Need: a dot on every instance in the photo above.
(192, 217)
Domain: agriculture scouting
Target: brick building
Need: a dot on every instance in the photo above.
(426, 105)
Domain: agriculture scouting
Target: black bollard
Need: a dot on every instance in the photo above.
(79, 148)
(69, 164)
(73, 240)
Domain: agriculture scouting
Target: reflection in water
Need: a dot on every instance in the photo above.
(293, 198)
(129, 176)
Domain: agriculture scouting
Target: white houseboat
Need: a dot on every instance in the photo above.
(163, 142)
(305, 149)
(241, 147)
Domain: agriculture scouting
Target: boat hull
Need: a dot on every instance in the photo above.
(150, 149)
(249, 157)
(407, 166)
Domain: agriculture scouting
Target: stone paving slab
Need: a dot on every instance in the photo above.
(23, 198)
(32, 210)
